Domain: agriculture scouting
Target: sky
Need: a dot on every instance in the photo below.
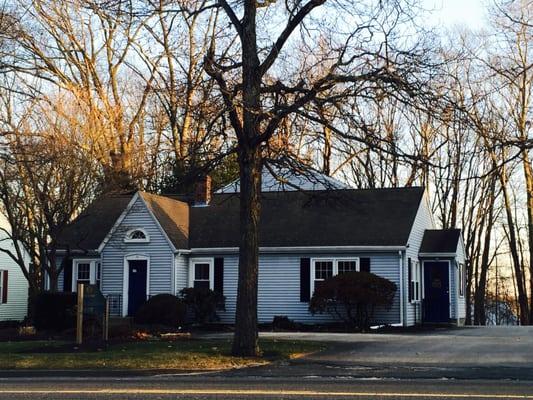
(448, 13)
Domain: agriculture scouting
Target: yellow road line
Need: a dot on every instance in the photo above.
(300, 393)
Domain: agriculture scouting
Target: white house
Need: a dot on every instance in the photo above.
(139, 244)
(13, 284)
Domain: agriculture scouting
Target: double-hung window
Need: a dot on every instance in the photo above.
(201, 275)
(462, 280)
(88, 272)
(322, 269)
(414, 284)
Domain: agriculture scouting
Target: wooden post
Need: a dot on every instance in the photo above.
(106, 320)
(79, 321)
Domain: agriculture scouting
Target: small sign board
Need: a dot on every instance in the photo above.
(93, 301)
(93, 304)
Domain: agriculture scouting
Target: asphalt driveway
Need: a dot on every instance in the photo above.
(456, 353)
(459, 347)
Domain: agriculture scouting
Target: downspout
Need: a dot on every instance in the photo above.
(174, 267)
(400, 256)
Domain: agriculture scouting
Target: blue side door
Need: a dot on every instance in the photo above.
(137, 285)
(436, 292)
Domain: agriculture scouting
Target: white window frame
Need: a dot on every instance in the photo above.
(416, 277)
(92, 271)
(128, 239)
(335, 262)
(211, 262)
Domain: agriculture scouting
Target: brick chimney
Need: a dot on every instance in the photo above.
(202, 191)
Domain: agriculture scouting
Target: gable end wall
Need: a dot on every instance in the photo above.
(423, 221)
(158, 250)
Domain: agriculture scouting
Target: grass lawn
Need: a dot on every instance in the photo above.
(188, 354)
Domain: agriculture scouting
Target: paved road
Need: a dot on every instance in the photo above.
(222, 387)
(480, 363)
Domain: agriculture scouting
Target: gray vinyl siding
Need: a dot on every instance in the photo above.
(158, 250)
(423, 221)
(461, 257)
(16, 307)
(279, 286)
(182, 272)
(453, 289)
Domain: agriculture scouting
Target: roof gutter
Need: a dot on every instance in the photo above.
(437, 254)
(292, 249)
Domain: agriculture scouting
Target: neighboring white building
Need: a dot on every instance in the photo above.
(13, 284)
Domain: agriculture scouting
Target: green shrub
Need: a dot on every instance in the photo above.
(203, 304)
(353, 297)
(55, 311)
(162, 309)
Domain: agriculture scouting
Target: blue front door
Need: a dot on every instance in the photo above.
(436, 292)
(137, 285)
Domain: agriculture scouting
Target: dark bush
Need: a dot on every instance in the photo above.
(353, 297)
(55, 311)
(162, 309)
(203, 304)
(284, 323)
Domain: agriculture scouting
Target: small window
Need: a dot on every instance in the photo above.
(202, 274)
(462, 280)
(84, 273)
(137, 236)
(87, 272)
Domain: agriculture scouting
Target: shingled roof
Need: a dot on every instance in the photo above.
(91, 227)
(367, 217)
(172, 215)
(345, 217)
(440, 241)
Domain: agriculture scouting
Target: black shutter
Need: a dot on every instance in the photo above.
(364, 264)
(410, 279)
(67, 276)
(305, 279)
(4, 286)
(219, 275)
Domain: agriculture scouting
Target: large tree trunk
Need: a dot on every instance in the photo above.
(245, 339)
(250, 165)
